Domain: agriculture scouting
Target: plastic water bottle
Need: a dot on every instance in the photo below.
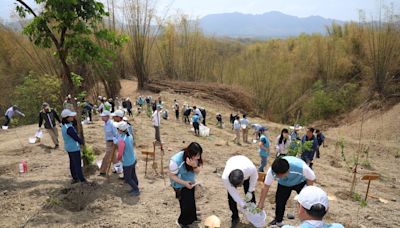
(23, 167)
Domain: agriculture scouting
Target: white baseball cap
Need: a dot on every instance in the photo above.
(123, 126)
(119, 113)
(312, 195)
(66, 113)
(105, 113)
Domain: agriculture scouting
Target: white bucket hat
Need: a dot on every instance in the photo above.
(66, 113)
(119, 113)
(105, 113)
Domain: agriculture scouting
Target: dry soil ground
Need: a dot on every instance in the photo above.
(44, 197)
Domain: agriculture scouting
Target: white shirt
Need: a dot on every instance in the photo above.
(155, 118)
(282, 148)
(307, 173)
(198, 112)
(236, 124)
(244, 121)
(249, 171)
(174, 167)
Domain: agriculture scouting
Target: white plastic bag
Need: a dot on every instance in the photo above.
(39, 134)
(204, 131)
(254, 215)
(258, 220)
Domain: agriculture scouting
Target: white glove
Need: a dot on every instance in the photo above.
(249, 196)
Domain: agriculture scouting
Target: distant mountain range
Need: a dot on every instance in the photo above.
(267, 25)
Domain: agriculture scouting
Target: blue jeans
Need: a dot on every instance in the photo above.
(263, 164)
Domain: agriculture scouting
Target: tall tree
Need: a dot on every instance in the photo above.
(141, 26)
(69, 26)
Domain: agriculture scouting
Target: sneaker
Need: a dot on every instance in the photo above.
(102, 174)
(274, 223)
(74, 181)
(134, 192)
(56, 147)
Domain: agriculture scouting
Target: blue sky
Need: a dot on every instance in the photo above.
(335, 9)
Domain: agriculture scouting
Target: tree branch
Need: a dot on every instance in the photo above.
(27, 7)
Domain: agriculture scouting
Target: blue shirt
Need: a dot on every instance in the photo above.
(109, 130)
(195, 118)
(182, 172)
(265, 141)
(306, 224)
(128, 157)
(71, 139)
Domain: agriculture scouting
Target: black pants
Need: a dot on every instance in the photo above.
(131, 177)
(204, 121)
(129, 112)
(7, 121)
(187, 204)
(177, 114)
(233, 204)
(196, 128)
(281, 197)
(75, 166)
(186, 119)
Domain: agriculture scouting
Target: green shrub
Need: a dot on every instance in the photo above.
(35, 90)
(88, 155)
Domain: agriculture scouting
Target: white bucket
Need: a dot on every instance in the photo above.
(4, 127)
(32, 140)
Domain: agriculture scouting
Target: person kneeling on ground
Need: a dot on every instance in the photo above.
(312, 207)
(183, 168)
(292, 174)
(126, 153)
(239, 171)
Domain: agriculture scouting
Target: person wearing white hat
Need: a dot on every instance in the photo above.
(109, 134)
(292, 174)
(118, 117)
(126, 153)
(72, 144)
(313, 205)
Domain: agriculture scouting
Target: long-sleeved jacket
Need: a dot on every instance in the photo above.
(49, 118)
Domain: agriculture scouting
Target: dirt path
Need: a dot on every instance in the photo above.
(43, 197)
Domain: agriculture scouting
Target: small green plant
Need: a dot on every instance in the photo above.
(357, 197)
(298, 148)
(53, 201)
(88, 155)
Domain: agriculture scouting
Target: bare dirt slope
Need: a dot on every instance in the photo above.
(44, 196)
